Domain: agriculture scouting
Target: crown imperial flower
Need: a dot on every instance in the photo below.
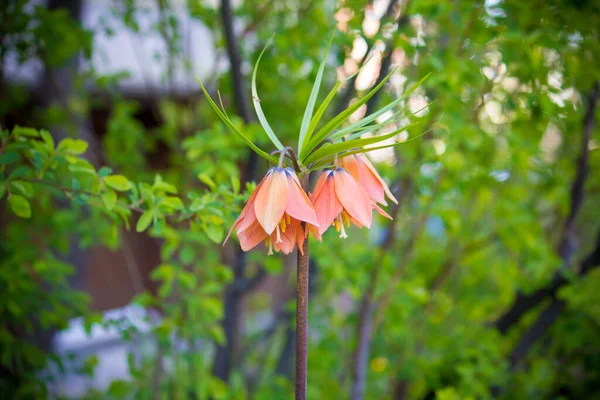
(338, 200)
(274, 213)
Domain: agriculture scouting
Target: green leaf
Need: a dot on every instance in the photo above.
(323, 107)
(29, 132)
(118, 182)
(344, 115)
(259, 112)
(217, 334)
(145, 220)
(23, 187)
(109, 198)
(73, 146)
(172, 202)
(9, 157)
(235, 130)
(20, 206)
(335, 148)
(235, 184)
(2, 190)
(371, 117)
(217, 389)
(47, 137)
(310, 106)
(18, 172)
(364, 121)
(79, 165)
(104, 171)
(163, 186)
(320, 111)
(207, 180)
(214, 233)
(322, 164)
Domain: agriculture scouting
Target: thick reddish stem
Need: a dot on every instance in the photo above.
(302, 315)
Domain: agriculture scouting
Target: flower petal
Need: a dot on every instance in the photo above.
(350, 164)
(299, 205)
(252, 236)
(371, 184)
(326, 204)
(364, 160)
(353, 197)
(247, 216)
(271, 200)
(319, 185)
(237, 221)
(314, 231)
(288, 239)
(381, 211)
(300, 239)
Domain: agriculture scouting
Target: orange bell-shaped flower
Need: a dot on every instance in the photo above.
(274, 213)
(359, 166)
(339, 199)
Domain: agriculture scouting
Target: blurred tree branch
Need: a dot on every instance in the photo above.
(552, 311)
(524, 303)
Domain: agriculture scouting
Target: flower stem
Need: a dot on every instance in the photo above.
(302, 314)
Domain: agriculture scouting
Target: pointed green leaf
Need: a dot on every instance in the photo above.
(207, 180)
(214, 233)
(310, 106)
(47, 137)
(344, 115)
(328, 160)
(371, 117)
(319, 114)
(259, 112)
(323, 107)
(235, 130)
(332, 149)
(392, 120)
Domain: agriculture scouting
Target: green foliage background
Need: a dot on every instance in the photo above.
(485, 194)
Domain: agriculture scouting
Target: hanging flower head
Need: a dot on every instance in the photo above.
(275, 212)
(338, 200)
(359, 166)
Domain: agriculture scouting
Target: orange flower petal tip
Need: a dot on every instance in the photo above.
(359, 166)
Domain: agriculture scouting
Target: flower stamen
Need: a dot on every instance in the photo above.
(269, 244)
(346, 218)
(282, 225)
(278, 235)
(340, 222)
